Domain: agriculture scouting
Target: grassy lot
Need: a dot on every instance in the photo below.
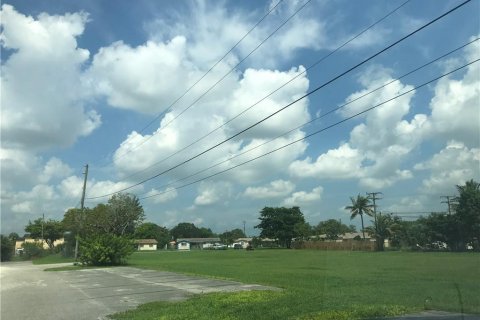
(54, 258)
(318, 284)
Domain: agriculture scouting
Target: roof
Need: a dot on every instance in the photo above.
(244, 239)
(146, 241)
(198, 240)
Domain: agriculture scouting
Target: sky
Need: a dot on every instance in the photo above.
(136, 89)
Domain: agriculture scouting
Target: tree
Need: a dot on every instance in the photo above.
(52, 230)
(151, 230)
(125, 213)
(13, 236)
(384, 227)
(467, 211)
(361, 205)
(279, 223)
(7, 247)
(332, 229)
(228, 237)
(189, 230)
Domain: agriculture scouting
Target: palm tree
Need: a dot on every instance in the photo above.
(360, 206)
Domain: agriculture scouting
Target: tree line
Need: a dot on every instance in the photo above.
(105, 232)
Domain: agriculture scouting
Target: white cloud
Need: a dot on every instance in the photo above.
(303, 197)
(274, 189)
(213, 192)
(162, 196)
(455, 112)
(342, 163)
(42, 93)
(453, 165)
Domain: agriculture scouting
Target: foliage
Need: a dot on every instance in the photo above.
(229, 237)
(33, 250)
(189, 230)
(280, 223)
(106, 249)
(361, 205)
(467, 212)
(7, 248)
(384, 227)
(52, 258)
(151, 230)
(332, 229)
(52, 230)
(13, 236)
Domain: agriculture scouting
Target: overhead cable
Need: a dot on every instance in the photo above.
(316, 132)
(318, 117)
(290, 104)
(216, 83)
(316, 63)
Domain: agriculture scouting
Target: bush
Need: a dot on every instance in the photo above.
(33, 250)
(107, 249)
(7, 248)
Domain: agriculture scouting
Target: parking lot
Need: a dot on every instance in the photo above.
(28, 292)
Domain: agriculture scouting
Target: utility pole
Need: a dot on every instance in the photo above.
(82, 202)
(43, 221)
(244, 228)
(448, 202)
(373, 196)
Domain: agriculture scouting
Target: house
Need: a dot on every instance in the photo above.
(243, 242)
(146, 244)
(43, 243)
(195, 243)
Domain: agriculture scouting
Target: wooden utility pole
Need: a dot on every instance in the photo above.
(373, 196)
(82, 202)
(448, 202)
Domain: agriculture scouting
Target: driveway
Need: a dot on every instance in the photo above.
(28, 292)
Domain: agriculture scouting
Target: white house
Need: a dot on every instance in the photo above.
(146, 244)
(183, 245)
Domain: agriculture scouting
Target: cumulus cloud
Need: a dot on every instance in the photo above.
(274, 189)
(304, 197)
(162, 196)
(42, 93)
(453, 165)
(210, 193)
(454, 106)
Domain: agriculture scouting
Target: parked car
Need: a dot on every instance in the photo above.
(218, 246)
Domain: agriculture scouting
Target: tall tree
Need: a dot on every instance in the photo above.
(185, 230)
(7, 247)
(280, 223)
(361, 205)
(124, 213)
(384, 227)
(52, 230)
(467, 210)
(149, 230)
(331, 229)
(229, 237)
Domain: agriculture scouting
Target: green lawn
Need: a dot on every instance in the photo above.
(54, 258)
(318, 284)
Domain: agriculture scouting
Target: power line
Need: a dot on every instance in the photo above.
(211, 68)
(316, 63)
(316, 132)
(290, 104)
(318, 117)
(218, 81)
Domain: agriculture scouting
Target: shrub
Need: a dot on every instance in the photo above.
(105, 249)
(33, 250)
(7, 248)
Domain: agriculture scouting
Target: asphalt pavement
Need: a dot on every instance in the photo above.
(28, 292)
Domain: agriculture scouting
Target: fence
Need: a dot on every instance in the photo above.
(348, 245)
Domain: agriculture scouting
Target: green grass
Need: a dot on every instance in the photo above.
(318, 284)
(53, 258)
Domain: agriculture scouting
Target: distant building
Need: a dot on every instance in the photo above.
(146, 244)
(243, 242)
(195, 243)
(43, 243)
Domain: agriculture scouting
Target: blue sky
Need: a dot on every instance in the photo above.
(81, 81)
